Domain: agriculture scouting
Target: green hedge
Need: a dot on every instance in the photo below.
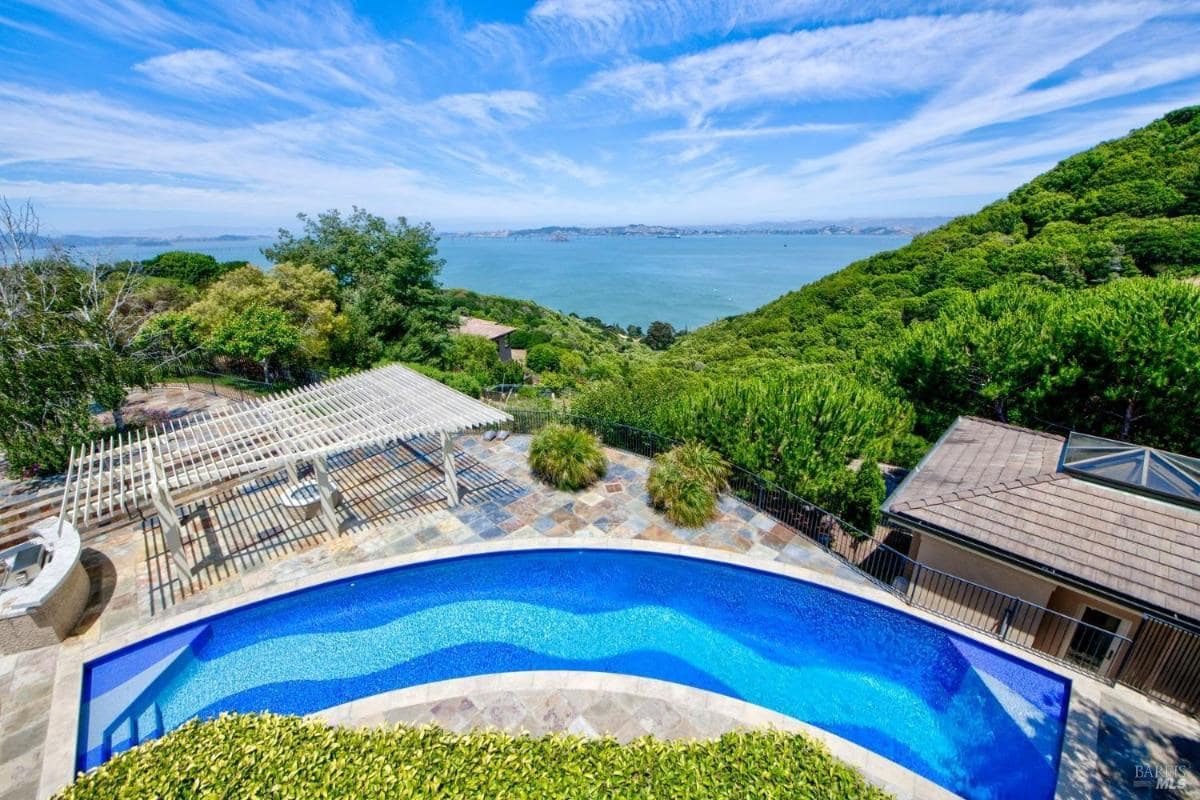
(248, 756)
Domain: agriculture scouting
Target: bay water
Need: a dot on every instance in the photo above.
(688, 281)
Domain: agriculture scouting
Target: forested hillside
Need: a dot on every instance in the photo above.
(1126, 207)
(1057, 307)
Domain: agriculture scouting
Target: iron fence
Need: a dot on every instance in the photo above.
(882, 556)
(1164, 663)
(204, 376)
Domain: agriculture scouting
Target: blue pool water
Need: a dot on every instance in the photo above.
(969, 717)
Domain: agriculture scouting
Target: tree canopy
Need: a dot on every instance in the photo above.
(190, 269)
(388, 277)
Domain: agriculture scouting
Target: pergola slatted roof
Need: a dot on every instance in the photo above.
(376, 407)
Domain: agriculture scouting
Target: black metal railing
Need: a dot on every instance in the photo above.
(883, 557)
(1164, 663)
(205, 376)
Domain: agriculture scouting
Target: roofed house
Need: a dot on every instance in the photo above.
(1103, 535)
(472, 326)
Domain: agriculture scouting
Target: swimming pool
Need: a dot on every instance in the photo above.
(967, 716)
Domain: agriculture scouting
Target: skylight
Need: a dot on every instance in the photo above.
(1133, 467)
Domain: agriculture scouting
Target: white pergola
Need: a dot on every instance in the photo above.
(180, 461)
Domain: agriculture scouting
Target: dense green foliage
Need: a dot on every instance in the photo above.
(480, 359)
(295, 305)
(567, 457)
(387, 276)
(660, 335)
(537, 324)
(66, 340)
(44, 392)
(248, 756)
(799, 428)
(464, 382)
(863, 498)
(1119, 359)
(1126, 207)
(190, 269)
(685, 483)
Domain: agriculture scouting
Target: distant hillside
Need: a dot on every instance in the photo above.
(906, 226)
(1126, 207)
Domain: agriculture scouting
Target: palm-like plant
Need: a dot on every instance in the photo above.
(566, 457)
(685, 482)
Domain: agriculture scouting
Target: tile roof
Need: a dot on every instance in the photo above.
(1000, 485)
(471, 326)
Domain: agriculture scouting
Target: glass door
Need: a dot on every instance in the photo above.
(1092, 645)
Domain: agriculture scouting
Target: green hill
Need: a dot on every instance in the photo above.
(1057, 307)
(1126, 207)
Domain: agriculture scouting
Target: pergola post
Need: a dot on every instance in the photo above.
(325, 489)
(448, 469)
(168, 517)
(293, 472)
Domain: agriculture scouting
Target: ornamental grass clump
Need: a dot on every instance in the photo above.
(567, 457)
(685, 483)
(289, 758)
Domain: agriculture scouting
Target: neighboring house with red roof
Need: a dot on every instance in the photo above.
(1093, 530)
(471, 326)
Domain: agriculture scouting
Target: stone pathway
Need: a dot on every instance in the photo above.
(583, 712)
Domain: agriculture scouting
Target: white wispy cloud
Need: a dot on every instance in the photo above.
(996, 89)
(751, 132)
(559, 165)
(491, 109)
(293, 74)
(882, 57)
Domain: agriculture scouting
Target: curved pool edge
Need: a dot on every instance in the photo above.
(58, 766)
(882, 772)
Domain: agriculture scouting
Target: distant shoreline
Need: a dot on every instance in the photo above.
(906, 227)
(79, 240)
(865, 227)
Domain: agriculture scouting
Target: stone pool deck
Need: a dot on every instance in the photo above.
(246, 550)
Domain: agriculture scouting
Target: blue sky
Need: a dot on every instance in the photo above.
(232, 115)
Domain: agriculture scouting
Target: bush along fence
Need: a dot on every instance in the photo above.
(1162, 661)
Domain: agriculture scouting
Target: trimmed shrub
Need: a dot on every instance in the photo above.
(288, 758)
(685, 483)
(566, 457)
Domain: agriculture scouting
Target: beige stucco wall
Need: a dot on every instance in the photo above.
(1050, 633)
(975, 607)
